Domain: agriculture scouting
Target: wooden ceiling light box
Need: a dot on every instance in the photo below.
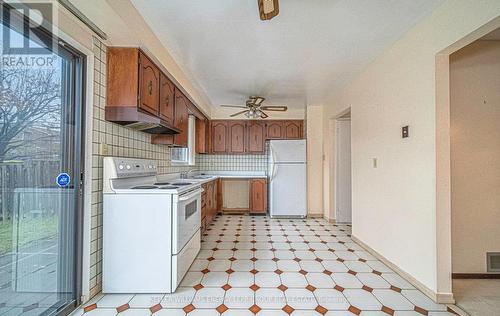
(268, 9)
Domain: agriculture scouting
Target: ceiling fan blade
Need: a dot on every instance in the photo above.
(238, 113)
(263, 115)
(234, 106)
(274, 108)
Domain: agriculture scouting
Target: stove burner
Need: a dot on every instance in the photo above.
(182, 183)
(145, 187)
(161, 183)
(169, 187)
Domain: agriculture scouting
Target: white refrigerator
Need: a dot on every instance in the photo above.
(287, 172)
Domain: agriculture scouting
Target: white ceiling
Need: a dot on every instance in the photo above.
(310, 49)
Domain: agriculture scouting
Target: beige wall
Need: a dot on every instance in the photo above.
(394, 205)
(314, 127)
(475, 155)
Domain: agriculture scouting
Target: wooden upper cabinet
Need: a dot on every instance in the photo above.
(149, 85)
(181, 118)
(275, 130)
(219, 136)
(293, 129)
(258, 196)
(202, 136)
(167, 93)
(237, 132)
(256, 142)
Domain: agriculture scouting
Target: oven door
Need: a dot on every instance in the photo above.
(187, 219)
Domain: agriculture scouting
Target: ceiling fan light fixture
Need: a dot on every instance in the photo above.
(268, 9)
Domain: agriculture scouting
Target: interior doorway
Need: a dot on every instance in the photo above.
(343, 187)
(475, 175)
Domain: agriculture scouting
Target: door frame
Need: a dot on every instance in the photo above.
(330, 183)
(337, 161)
(80, 97)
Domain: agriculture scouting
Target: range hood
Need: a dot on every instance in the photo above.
(133, 118)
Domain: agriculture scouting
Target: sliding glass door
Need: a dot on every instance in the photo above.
(40, 172)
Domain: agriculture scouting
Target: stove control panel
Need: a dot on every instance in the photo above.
(129, 167)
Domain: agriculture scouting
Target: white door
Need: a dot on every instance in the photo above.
(344, 211)
(288, 188)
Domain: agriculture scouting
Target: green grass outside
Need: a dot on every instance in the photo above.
(31, 229)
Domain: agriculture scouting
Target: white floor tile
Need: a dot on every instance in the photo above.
(311, 266)
(320, 280)
(372, 280)
(346, 280)
(293, 280)
(393, 299)
(270, 298)
(114, 300)
(362, 299)
(334, 266)
(267, 279)
(241, 279)
(208, 297)
(420, 300)
(331, 299)
(300, 299)
(243, 265)
(145, 300)
(191, 278)
(265, 265)
(214, 279)
(183, 296)
(397, 281)
(288, 265)
(239, 298)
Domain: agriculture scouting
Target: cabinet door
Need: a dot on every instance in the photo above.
(201, 131)
(149, 82)
(258, 196)
(215, 205)
(210, 202)
(219, 137)
(236, 134)
(167, 91)
(256, 138)
(293, 129)
(181, 119)
(275, 130)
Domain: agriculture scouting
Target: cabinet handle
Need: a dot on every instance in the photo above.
(150, 87)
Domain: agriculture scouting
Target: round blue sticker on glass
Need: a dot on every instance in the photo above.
(63, 180)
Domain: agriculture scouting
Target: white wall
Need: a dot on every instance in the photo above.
(314, 127)
(475, 155)
(224, 113)
(125, 27)
(394, 206)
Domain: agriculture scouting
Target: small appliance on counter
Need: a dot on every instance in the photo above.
(287, 172)
(151, 229)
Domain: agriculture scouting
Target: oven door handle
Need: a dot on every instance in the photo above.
(187, 197)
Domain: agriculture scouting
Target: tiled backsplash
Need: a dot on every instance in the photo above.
(122, 142)
(231, 162)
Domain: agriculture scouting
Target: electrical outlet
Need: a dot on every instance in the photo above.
(103, 149)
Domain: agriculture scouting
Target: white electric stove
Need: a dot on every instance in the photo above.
(151, 228)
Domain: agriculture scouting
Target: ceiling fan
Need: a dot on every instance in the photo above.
(254, 109)
(268, 9)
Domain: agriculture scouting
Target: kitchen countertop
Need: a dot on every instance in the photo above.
(215, 175)
(231, 175)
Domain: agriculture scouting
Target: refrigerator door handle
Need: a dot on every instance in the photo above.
(275, 171)
(273, 167)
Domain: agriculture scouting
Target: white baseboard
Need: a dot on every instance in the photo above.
(441, 298)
